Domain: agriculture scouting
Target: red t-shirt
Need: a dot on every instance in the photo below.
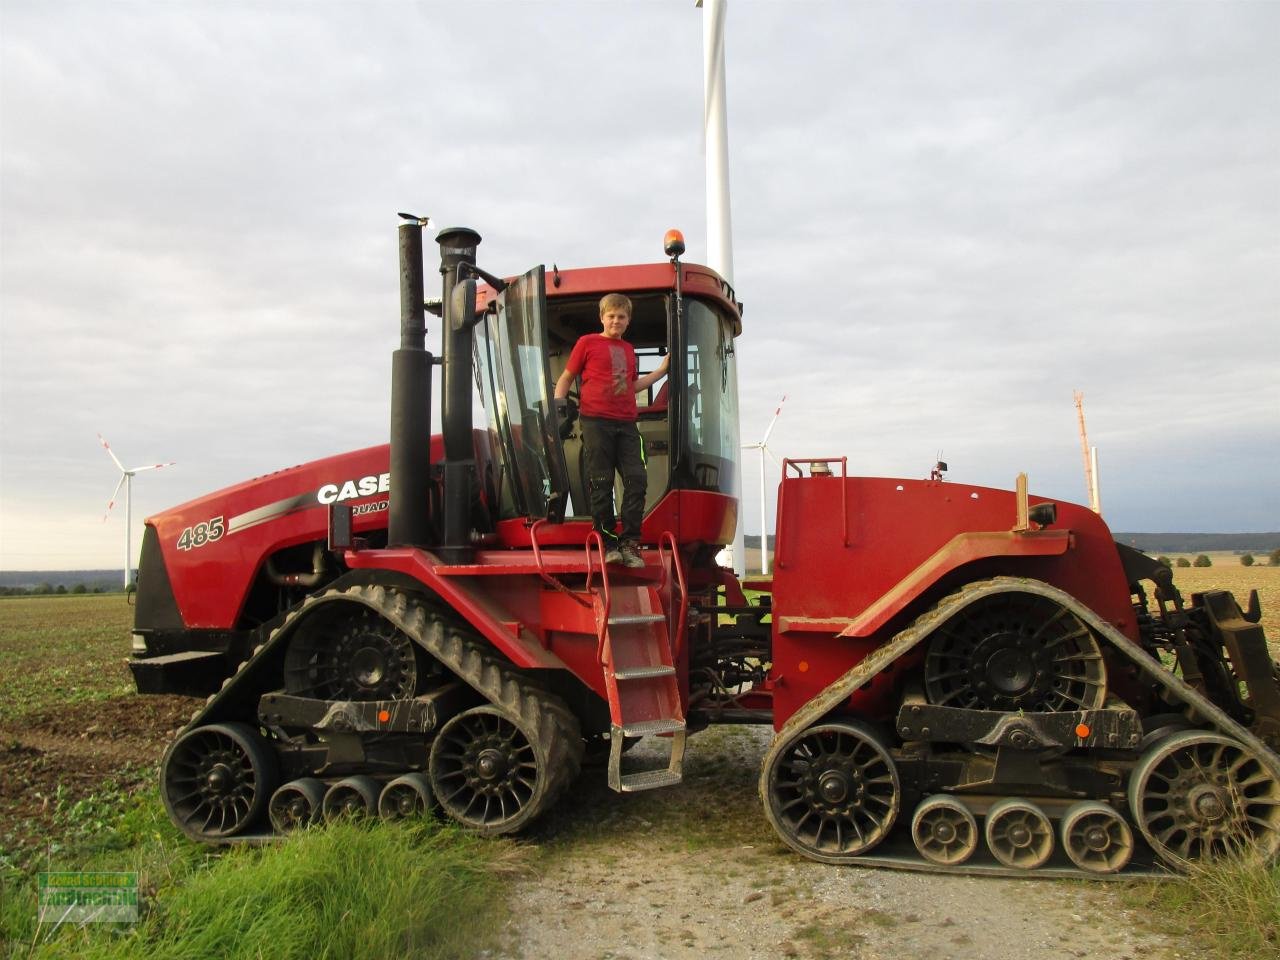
(608, 370)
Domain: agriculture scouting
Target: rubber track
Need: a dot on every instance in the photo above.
(841, 689)
(470, 658)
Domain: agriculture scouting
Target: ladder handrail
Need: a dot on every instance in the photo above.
(594, 538)
(542, 570)
(681, 623)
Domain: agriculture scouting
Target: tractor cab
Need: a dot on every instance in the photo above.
(522, 340)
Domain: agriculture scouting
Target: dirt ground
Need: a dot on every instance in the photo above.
(78, 753)
(695, 871)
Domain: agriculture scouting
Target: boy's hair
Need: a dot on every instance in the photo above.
(614, 301)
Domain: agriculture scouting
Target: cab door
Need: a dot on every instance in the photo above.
(530, 479)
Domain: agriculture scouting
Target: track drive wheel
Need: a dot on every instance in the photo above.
(216, 780)
(492, 770)
(1015, 651)
(348, 651)
(944, 830)
(1019, 834)
(1197, 795)
(831, 791)
(1096, 837)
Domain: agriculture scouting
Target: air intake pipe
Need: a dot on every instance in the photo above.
(457, 246)
(409, 510)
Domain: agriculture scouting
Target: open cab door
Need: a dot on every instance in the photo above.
(530, 478)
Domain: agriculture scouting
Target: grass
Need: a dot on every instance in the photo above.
(1231, 907)
(349, 890)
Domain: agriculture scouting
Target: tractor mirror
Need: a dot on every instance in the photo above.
(462, 305)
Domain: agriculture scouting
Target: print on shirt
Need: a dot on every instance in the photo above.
(621, 381)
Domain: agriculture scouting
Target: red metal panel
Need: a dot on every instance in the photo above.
(834, 602)
(495, 618)
(259, 517)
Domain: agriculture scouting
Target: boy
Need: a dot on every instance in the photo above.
(607, 365)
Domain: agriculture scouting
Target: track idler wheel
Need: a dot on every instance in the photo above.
(216, 780)
(353, 798)
(1096, 837)
(1015, 651)
(297, 804)
(406, 797)
(831, 791)
(489, 770)
(1019, 834)
(944, 831)
(1197, 795)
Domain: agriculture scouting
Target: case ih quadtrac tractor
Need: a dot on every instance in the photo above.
(960, 678)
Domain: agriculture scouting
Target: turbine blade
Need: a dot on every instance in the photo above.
(112, 502)
(776, 461)
(107, 447)
(154, 466)
(776, 414)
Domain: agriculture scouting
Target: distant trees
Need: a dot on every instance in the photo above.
(48, 589)
(1165, 560)
(1202, 561)
(1182, 562)
(1246, 560)
(1275, 558)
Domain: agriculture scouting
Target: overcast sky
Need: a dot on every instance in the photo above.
(947, 217)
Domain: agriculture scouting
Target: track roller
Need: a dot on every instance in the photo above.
(1019, 834)
(1197, 795)
(352, 797)
(944, 830)
(1096, 837)
(215, 780)
(297, 804)
(405, 797)
(831, 791)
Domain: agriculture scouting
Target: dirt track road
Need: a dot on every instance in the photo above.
(695, 871)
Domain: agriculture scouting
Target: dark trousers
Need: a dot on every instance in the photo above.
(614, 445)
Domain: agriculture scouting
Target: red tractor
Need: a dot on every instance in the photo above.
(959, 677)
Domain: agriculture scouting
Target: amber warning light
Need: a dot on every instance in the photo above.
(673, 243)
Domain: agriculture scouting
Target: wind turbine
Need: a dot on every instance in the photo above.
(126, 481)
(763, 446)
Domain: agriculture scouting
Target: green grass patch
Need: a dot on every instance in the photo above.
(1231, 906)
(351, 890)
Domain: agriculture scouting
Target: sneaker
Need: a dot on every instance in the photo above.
(631, 555)
(613, 555)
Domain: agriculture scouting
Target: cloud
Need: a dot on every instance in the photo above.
(947, 217)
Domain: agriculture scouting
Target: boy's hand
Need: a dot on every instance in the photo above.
(566, 414)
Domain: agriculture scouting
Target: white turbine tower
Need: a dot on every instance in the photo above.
(126, 480)
(763, 446)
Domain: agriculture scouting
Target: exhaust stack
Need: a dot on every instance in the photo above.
(457, 246)
(409, 510)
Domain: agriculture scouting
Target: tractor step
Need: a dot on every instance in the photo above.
(651, 779)
(643, 673)
(648, 780)
(631, 619)
(647, 728)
